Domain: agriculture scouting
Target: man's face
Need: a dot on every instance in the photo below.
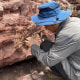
(52, 28)
(49, 27)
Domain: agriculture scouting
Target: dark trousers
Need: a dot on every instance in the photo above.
(58, 70)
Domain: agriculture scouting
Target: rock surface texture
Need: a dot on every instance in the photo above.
(16, 26)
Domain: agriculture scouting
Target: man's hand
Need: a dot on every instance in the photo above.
(30, 41)
(48, 35)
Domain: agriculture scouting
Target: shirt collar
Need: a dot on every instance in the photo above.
(60, 28)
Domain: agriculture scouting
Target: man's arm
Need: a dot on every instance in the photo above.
(55, 54)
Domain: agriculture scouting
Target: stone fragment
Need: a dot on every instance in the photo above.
(13, 4)
(1, 12)
(11, 19)
(26, 77)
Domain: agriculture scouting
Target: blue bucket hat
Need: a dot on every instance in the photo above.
(49, 14)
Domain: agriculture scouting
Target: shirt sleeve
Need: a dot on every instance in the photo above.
(55, 54)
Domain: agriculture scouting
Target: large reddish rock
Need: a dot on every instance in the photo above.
(15, 27)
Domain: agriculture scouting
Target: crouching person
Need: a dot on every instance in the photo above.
(62, 55)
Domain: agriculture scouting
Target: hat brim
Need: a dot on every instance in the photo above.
(51, 20)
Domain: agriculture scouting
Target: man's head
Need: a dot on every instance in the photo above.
(49, 14)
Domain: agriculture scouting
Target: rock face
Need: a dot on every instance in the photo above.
(16, 26)
(76, 7)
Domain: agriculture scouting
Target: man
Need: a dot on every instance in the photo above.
(62, 55)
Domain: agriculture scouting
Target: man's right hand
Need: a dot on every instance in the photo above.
(48, 35)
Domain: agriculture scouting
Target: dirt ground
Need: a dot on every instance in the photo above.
(27, 70)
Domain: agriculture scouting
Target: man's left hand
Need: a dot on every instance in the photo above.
(30, 41)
